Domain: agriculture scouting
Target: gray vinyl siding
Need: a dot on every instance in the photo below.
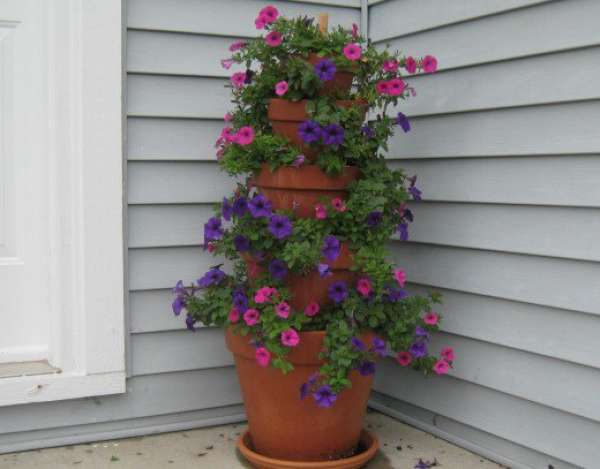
(506, 145)
(176, 101)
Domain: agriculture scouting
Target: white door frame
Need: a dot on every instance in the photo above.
(86, 181)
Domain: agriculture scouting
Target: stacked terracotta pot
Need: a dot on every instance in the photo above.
(281, 425)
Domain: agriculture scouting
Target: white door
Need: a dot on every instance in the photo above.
(25, 235)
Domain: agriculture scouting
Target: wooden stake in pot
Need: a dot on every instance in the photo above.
(323, 22)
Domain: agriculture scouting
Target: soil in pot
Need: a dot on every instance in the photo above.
(284, 427)
(285, 117)
(300, 189)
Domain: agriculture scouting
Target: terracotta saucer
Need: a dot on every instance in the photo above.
(368, 441)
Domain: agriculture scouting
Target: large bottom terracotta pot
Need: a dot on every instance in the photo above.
(300, 189)
(283, 426)
(311, 286)
(285, 117)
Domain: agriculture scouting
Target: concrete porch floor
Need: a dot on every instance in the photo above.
(214, 448)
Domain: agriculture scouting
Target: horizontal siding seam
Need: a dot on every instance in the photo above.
(182, 370)
(177, 74)
(188, 33)
(464, 20)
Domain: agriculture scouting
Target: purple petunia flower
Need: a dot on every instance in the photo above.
(213, 229)
(325, 69)
(190, 322)
(178, 304)
(333, 134)
(366, 368)
(331, 248)
(324, 396)
(309, 131)
(367, 131)
(240, 301)
(358, 344)
(179, 288)
(280, 226)
(416, 193)
(240, 206)
(402, 228)
(278, 269)
(226, 209)
(408, 214)
(213, 277)
(403, 122)
(338, 291)
(324, 270)
(422, 333)
(260, 206)
(394, 295)
(305, 388)
(418, 349)
(379, 347)
(374, 218)
(241, 243)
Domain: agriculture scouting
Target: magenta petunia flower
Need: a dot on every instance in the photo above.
(382, 87)
(363, 286)
(281, 88)
(290, 338)
(265, 294)
(441, 367)
(274, 38)
(238, 79)
(431, 318)
(390, 65)
(234, 315)
(263, 356)
(237, 45)
(338, 204)
(352, 51)
(228, 117)
(227, 134)
(400, 277)
(283, 310)
(410, 64)
(269, 14)
(447, 354)
(320, 211)
(312, 309)
(227, 63)
(251, 316)
(244, 136)
(396, 87)
(429, 64)
(259, 22)
(354, 30)
(404, 358)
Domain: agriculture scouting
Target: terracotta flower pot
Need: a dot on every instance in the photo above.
(300, 189)
(311, 287)
(283, 426)
(340, 83)
(285, 116)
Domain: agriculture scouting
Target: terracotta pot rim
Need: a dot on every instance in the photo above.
(285, 110)
(368, 439)
(307, 177)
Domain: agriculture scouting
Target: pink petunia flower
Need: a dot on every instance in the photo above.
(251, 316)
(228, 117)
(338, 204)
(237, 45)
(441, 367)
(238, 79)
(274, 38)
(431, 318)
(282, 310)
(234, 315)
(290, 338)
(382, 87)
(312, 309)
(263, 356)
(429, 64)
(320, 212)
(404, 358)
(352, 51)
(390, 65)
(400, 277)
(269, 14)
(363, 286)
(227, 63)
(447, 354)
(354, 30)
(227, 134)
(244, 136)
(265, 294)
(259, 22)
(220, 153)
(410, 64)
(396, 86)
(281, 88)
(299, 161)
